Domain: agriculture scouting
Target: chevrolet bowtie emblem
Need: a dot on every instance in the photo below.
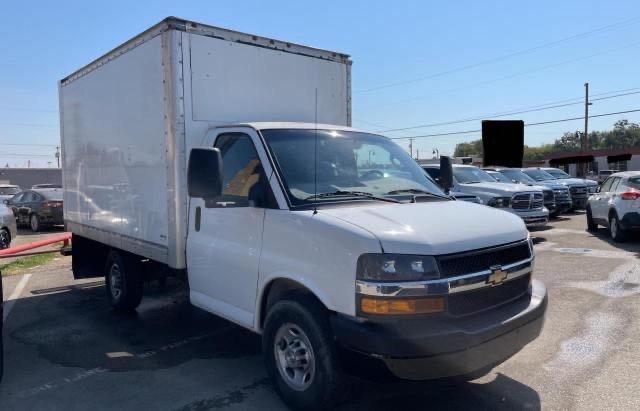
(497, 275)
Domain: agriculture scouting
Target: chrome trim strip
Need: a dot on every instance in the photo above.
(442, 286)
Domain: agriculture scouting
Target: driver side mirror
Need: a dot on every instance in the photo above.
(598, 189)
(446, 174)
(204, 174)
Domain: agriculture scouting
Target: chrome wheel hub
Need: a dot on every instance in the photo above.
(294, 357)
(115, 281)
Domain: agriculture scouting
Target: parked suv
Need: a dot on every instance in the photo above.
(616, 205)
(7, 191)
(526, 202)
(560, 193)
(37, 208)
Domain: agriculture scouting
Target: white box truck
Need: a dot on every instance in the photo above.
(228, 159)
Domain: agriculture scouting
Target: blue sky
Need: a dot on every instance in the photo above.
(410, 42)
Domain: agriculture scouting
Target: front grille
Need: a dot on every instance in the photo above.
(548, 196)
(578, 192)
(521, 201)
(536, 201)
(526, 201)
(452, 265)
(488, 297)
(562, 195)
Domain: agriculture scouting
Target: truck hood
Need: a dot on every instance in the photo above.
(434, 228)
(494, 189)
(573, 182)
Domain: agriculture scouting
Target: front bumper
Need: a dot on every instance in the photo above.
(532, 218)
(445, 346)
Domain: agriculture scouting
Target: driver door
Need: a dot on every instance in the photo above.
(225, 233)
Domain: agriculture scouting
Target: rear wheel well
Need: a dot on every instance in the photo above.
(280, 289)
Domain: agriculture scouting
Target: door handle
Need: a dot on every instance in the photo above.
(198, 218)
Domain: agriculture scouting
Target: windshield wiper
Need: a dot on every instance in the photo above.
(415, 191)
(345, 193)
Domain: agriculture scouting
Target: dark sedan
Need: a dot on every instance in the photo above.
(37, 208)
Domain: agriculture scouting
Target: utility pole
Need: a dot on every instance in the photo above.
(585, 136)
(417, 154)
(58, 155)
(411, 147)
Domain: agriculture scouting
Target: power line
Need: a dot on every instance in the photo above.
(526, 125)
(503, 57)
(522, 73)
(508, 113)
(28, 125)
(27, 144)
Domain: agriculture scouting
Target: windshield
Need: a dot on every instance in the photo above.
(539, 175)
(471, 175)
(557, 173)
(9, 190)
(346, 161)
(498, 176)
(517, 175)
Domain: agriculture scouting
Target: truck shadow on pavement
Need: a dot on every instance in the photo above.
(71, 326)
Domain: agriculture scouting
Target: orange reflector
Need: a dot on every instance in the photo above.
(402, 305)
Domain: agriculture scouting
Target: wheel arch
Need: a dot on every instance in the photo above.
(276, 288)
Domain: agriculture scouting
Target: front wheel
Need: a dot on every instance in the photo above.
(122, 282)
(34, 222)
(300, 355)
(5, 239)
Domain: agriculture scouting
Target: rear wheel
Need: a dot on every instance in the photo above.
(5, 238)
(122, 282)
(591, 225)
(300, 355)
(618, 234)
(34, 223)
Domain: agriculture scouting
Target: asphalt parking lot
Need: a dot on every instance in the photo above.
(65, 350)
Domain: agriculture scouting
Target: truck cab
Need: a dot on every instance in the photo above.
(525, 202)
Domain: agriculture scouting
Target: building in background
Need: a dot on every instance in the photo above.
(27, 177)
(617, 159)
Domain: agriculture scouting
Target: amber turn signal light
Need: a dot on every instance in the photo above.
(399, 306)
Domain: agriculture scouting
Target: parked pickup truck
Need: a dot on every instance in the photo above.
(227, 159)
(578, 188)
(525, 202)
(556, 196)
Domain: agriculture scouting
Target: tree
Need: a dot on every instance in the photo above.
(472, 148)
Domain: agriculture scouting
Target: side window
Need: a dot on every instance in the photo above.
(243, 178)
(28, 197)
(614, 185)
(606, 185)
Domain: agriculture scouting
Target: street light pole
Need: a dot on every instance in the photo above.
(585, 137)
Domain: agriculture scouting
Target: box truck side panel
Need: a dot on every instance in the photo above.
(114, 152)
(236, 82)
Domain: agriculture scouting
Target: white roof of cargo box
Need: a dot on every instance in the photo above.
(175, 23)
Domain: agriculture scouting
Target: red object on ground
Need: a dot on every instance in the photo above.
(24, 247)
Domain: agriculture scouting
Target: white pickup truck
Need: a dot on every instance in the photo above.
(227, 159)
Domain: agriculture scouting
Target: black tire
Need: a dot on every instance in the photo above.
(5, 238)
(123, 282)
(617, 233)
(34, 223)
(327, 385)
(591, 225)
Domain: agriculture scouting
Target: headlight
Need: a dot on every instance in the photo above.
(500, 202)
(396, 267)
